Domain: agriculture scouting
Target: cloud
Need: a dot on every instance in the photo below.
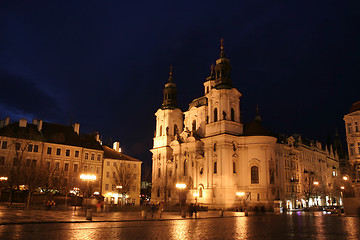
(22, 97)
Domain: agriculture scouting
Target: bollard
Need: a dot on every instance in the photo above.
(221, 212)
(183, 214)
(143, 214)
(89, 214)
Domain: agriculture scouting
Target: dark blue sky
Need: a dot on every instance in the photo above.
(104, 63)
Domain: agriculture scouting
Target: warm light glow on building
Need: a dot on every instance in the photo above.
(240, 194)
(119, 187)
(316, 183)
(342, 187)
(3, 178)
(181, 185)
(87, 177)
(195, 194)
(345, 178)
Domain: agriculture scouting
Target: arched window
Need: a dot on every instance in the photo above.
(185, 167)
(160, 131)
(234, 146)
(194, 125)
(214, 147)
(215, 167)
(175, 129)
(200, 192)
(254, 174)
(215, 115)
(158, 192)
(159, 173)
(232, 115)
(234, 167)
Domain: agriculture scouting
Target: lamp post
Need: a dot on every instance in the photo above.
(2, 179)
(87, 178)
(118, 189)
(180, 186)
(76, 190)
(316, 183)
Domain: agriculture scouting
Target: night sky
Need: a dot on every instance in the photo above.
(104, 63)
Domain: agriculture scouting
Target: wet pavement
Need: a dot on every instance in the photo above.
(209, 225)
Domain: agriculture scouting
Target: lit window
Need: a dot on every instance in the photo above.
(4, 145)
(254, 174)
(215, 167)
(30, 148)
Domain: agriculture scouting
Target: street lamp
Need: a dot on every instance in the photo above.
(345, 178)
(87, 178)
(118, 189)
(316, 183)
(2, 179)
(195, 196)
(180, 186)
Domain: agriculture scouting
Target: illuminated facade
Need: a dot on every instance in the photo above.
(210, 150)
(223, 162)
(121, 177)
(55, 147)
(352, 125)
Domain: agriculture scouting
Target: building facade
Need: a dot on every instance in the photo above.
(32, 152)
(121, 177)
(221, 161)
(352, 125)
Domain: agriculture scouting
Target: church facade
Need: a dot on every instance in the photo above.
(221, 162)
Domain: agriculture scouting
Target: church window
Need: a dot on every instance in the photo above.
(194, 125)
(352, 152)
(234, 146)
(215, 167)
(234, 167)
(159, 173)
(185, 168)
(258, 196)
(356, 127)
(201, 170)
(175, 129)
(200, 192)
(158, 192)
(214, 147)
(215, 115)
(232, 115)
(349, 128)
(254, 174)
(160, 131)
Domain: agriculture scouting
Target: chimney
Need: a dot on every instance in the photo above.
(1, 123)
(39, 125)
(35, 121)
(22, 122)
(116, 146)
(97, 136)
(7, 121)
(76, 127)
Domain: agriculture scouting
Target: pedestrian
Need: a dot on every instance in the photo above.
(98, 206)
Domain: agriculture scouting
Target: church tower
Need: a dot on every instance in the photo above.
(169, 124)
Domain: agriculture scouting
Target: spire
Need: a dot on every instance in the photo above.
(212, 73)
(222, 70)
(257, 117)
(171, 74)
(222, 53)
(170, 93)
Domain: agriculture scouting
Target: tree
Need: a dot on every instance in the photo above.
(123, 178)
(307, 185)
